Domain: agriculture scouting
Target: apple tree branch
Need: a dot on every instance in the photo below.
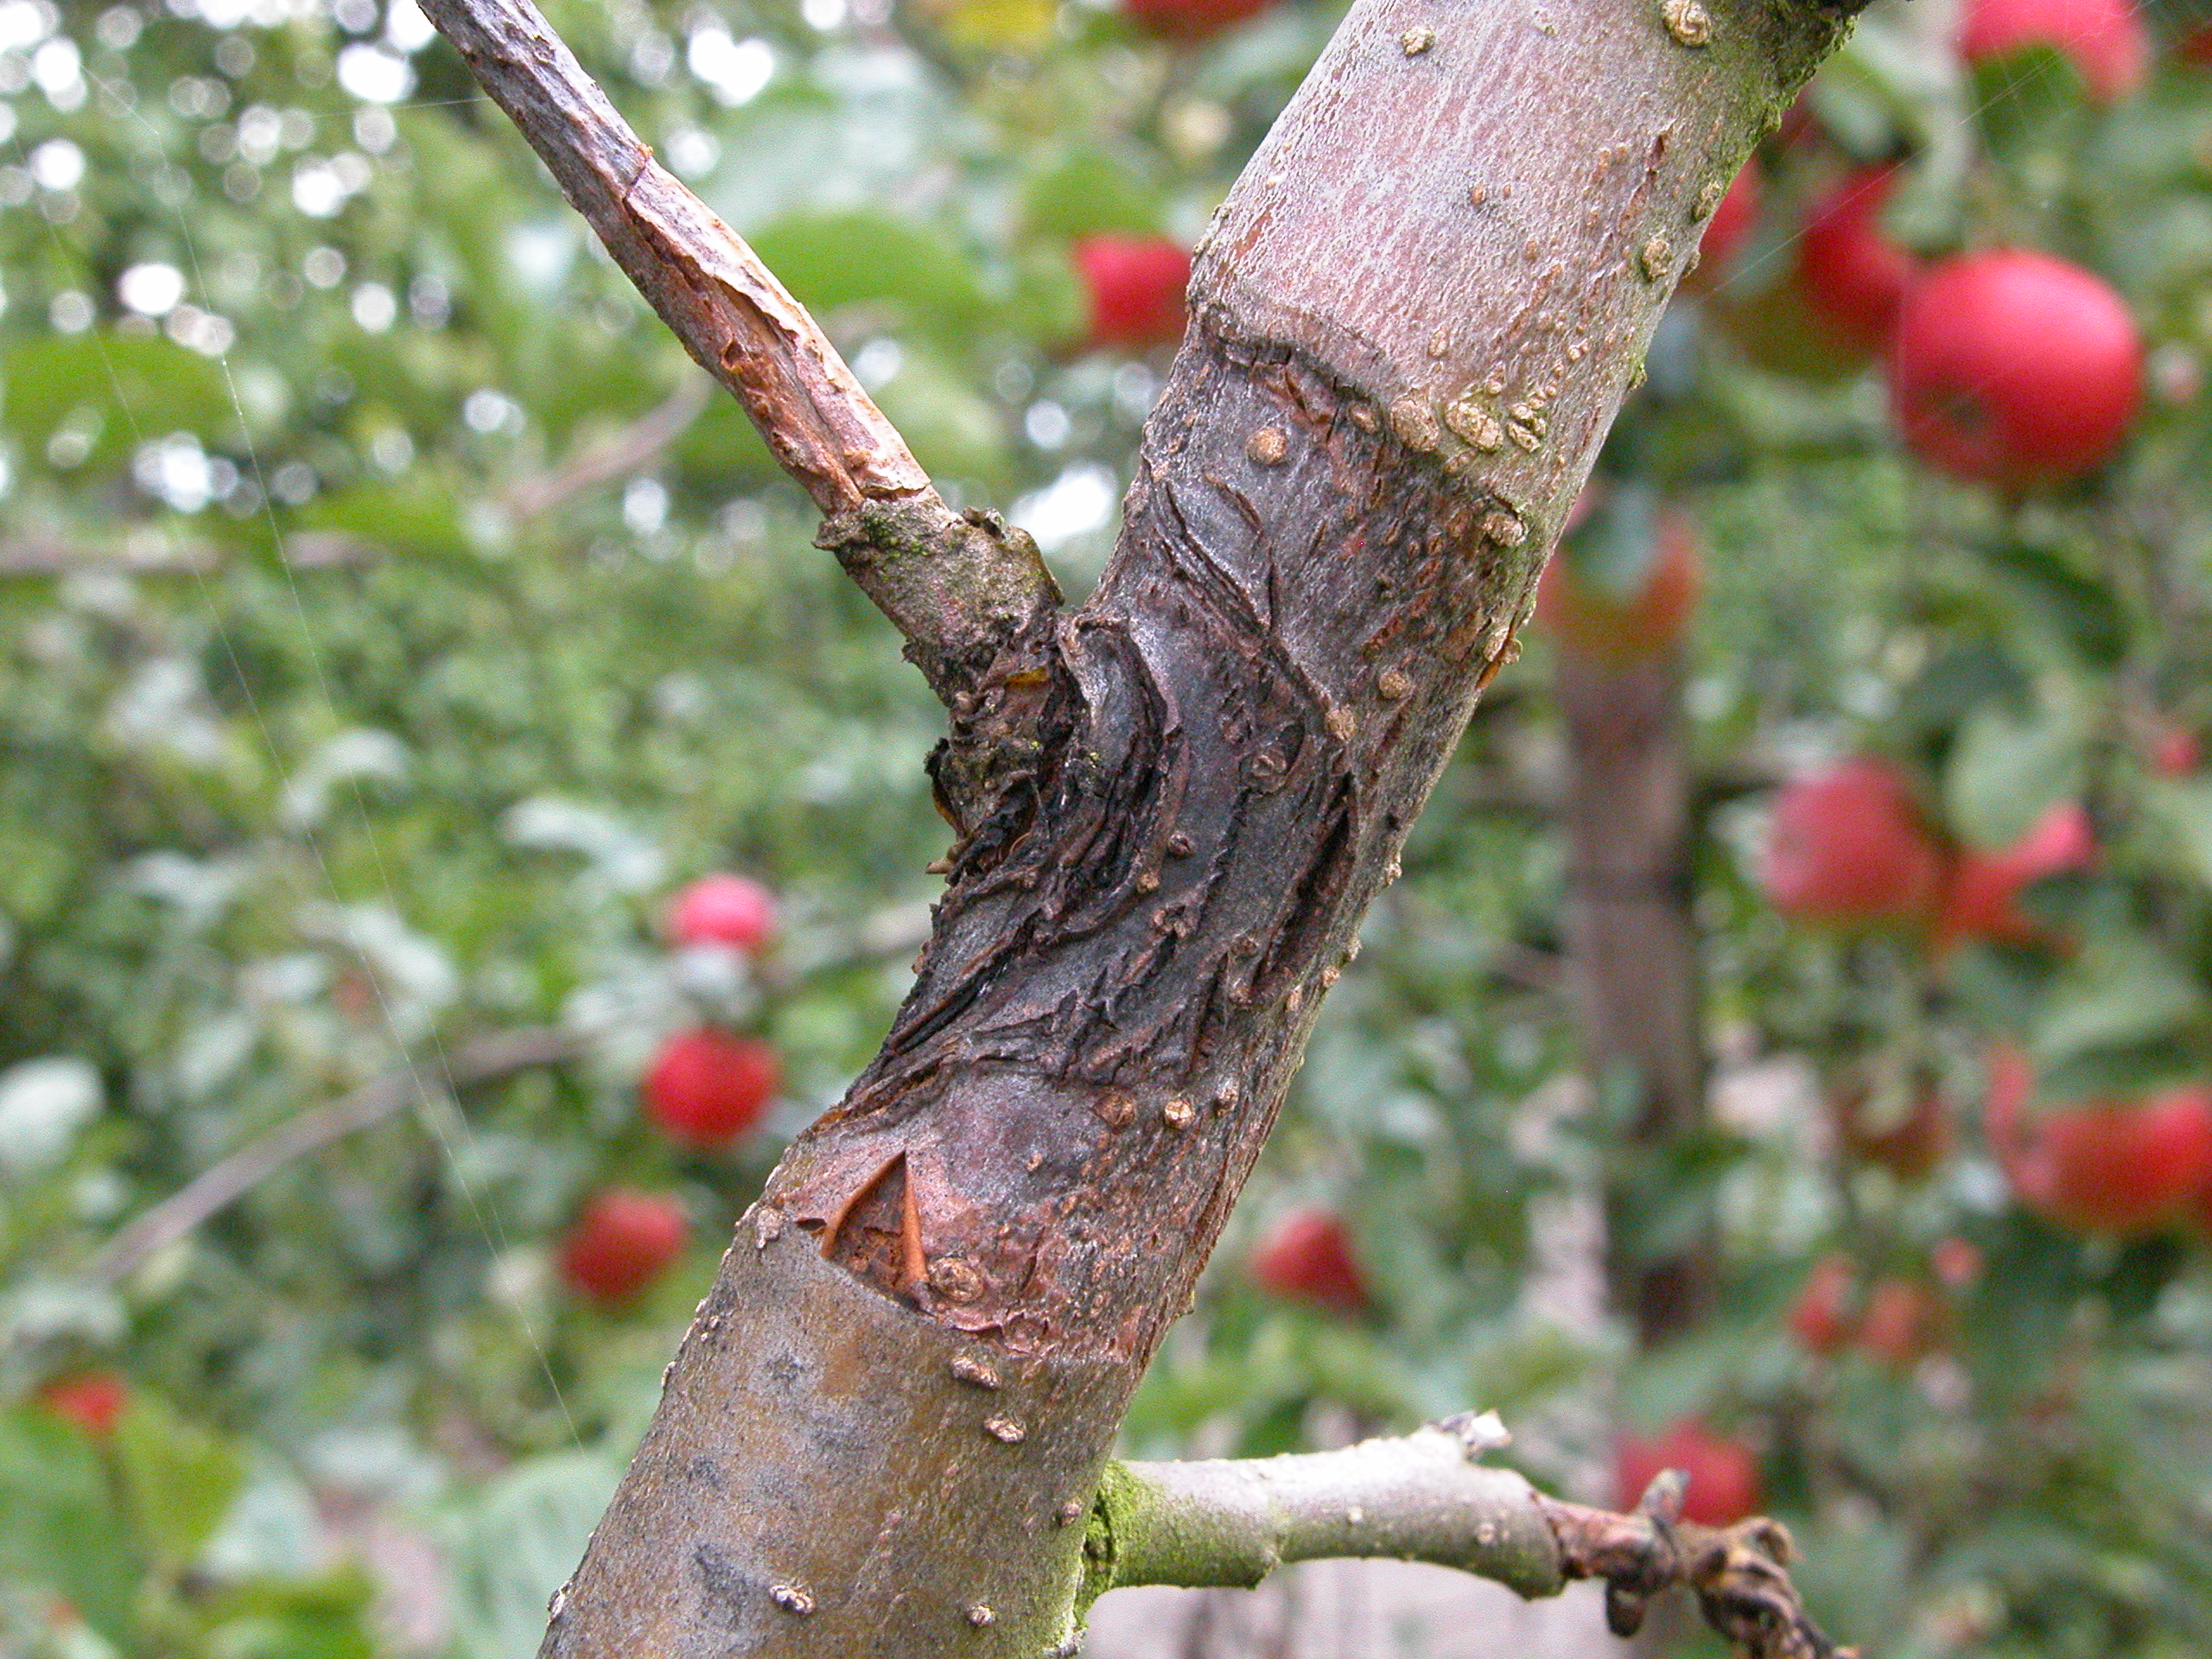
(969, 593)
(1425, 1496)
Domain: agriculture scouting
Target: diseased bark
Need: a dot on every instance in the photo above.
(1633, 945)
(1413, 322)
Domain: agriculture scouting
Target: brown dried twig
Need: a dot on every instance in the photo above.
(1740, 1574)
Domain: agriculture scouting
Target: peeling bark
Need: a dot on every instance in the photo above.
(1412, 322)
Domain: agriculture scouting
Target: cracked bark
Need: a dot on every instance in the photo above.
(1412, 322)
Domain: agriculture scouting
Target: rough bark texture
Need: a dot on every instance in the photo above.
(1633, 945)
(1413, 323)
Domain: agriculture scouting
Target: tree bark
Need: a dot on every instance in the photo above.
(1413, 322)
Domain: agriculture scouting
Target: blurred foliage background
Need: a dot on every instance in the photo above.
(390, 624)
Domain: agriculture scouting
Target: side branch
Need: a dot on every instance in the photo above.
(1425, 1497)
(960, 587)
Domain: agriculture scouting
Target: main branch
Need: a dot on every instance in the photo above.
(1414, 320)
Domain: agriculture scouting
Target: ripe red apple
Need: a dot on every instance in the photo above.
(2105, 39)
(2176, 751)
(92, 1400)
(1188, 22)
(2014, 368)
(1730, 227)
(1644, 623)
(1306, 1256)
(2195, 45)
(1849, 848)
(1853, 275)
(727, 909)
(706, 1088)
(1724, 1473)
(1135, 287)
(1820, 1318)
(1982, 897)
(1904, 1322)
(621, 1243)
(1957, 1262)
(2123, 1168)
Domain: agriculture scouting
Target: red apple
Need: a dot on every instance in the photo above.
(1854, 277)
(726, 910)
(2014, 368)
(1724, 1473)
(1849, 848)
(706, 1088)
(1957, 1262)
(1820, 1319)
(2195, 47)
(1730, 227)
(2104, 39)
(621, 1243)
(1644, 623)
(92, 1400)
(1982, 897)
(1135, 287)
(1189, 21)
(1903, 1324)
(1305, 1257)
(2176, 751)
(2122, 1167)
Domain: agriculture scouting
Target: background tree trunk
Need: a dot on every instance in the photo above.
(1632, 942)
(1413, 323)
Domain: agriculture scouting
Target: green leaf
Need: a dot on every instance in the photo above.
(2183, 809)
(131, 390)
(1087, 191)
(953, 432)
(864, 258)
(2027, 98)
(2006, 771)
(2122, 992)
(411, 518)
(178, 1479)
(2080, 610)
(327, 1617)
(62, 1531)
(517, 1543)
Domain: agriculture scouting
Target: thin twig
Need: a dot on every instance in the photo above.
(1740, 1574)
(617, 457)
(216, 1189)
(50, 555)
